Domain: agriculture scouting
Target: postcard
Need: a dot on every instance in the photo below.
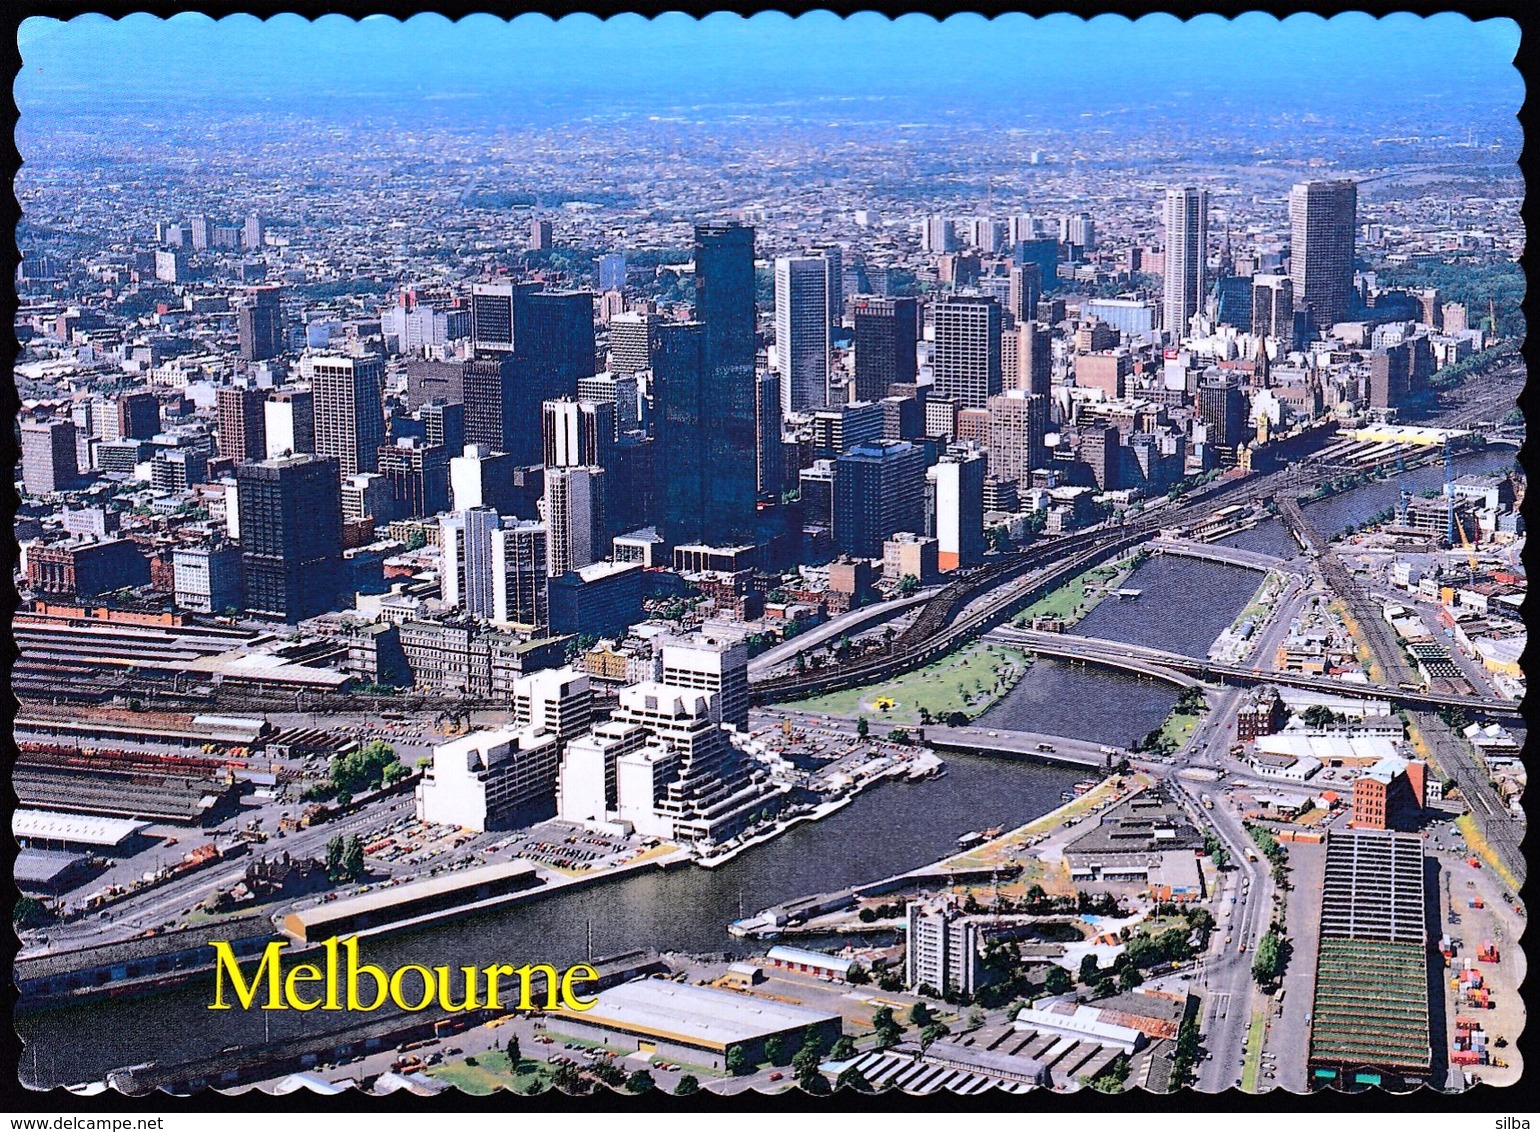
(769, 555)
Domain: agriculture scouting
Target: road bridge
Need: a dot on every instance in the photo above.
(1219, 552)
(1029, 745)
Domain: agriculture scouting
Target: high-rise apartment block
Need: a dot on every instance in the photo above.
(1186, 268)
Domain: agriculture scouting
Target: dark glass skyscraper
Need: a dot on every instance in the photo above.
(678, 374)
(724, 307)
(886, 330)
(291, 535)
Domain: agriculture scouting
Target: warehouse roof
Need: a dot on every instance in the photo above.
(451, 882)
(701, 1016)
(78, 828)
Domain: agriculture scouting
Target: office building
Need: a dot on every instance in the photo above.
(259, 323)
(1024, 291)
(48, 461)
(966, 363)
(1101, 451)
(519, 575)
(912, 556)
(492, 318)
(443, 425)
(573, 507)
(578, 434)
(291, 535)
(770, 466)
(715, 666)
(1222, 408)
(486, 779)
(954, 508)
(418, 475)
(1186, 267)
(367, 495)
(1272, 309)
(553, 339)
(1079, 231)
(879, 490)
(207, 578)
(1034, 358)
(600, 600)
(288, 419)
(610, 272)
(349, 414)
(678, 380)
(558, 701)
(837, 431)
(479, 477)
(802, 324)
(541, 235)
(724, 307)
(138, 416)
(632, 338)
(618, 390)
(1044, 253)
(885, 344)
(835, 255)
(1323, 218)
(242, 423)
(1018, 423)
(495, 409)
(586, 790)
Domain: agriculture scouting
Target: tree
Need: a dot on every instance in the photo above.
(932, 1033)
(29, 912)
(1057, 981)
(919, 1015)
(640, 1082)
(908, 585)
(566, 1077)
(737, 1061)
(898, 735)
(925, 718)
(975, 1018)
(688, 1085)
(775, 1050)
(957, 719)
(843, 1049)
(857, 975)
(515, 1054)
(1112, 1078)
(886, 1026)
(334, 858)
(1090, 969)
(1268, 962)
(862, 727)
(1130, 978)
(353, 858)
(851, 1077)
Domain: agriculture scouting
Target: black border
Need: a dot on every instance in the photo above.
(1521, 1099)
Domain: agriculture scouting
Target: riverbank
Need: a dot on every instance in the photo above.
(1070, 603)
(971, 681)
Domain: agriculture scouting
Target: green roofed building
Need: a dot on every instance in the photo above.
(1370, 1016)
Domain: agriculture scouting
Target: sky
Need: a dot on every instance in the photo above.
(1305, 61)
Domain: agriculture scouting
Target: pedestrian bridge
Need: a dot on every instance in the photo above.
(1218, 552)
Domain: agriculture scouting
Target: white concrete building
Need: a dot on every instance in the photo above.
(557, 700)
(479, 780)
(711, 665)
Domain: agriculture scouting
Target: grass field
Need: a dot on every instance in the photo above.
(1076, 597)
(965, 681)
(490, 1073)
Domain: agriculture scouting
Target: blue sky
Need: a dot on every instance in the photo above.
(1304, 60)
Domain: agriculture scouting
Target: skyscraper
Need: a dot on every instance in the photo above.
(1222, 407)
(611, 272)
(541, 235)
(879, 490)
(466, 538)
(724, 306)
(836, 257)
(259, 323)
(632, 335)
(138, 416)
(553, 339)
(885, 343)
(678, 379)
(291, 535)
(1323, 217)
(574, 518)
(349, 413)
(1186, 273)
(491, 418)
(966, 363)
(802, 331)
(770, 469)
(1025, 288)
(578, 433)
(492, 318)
(520, 592)
(1018, 422)
(1034, 358)
(242, 423)
(289, 420)
(1272, 309)
(418, 475)
(48, 461)
(954, 498)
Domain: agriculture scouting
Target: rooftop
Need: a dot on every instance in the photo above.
(79, 828)
(697, 1015)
